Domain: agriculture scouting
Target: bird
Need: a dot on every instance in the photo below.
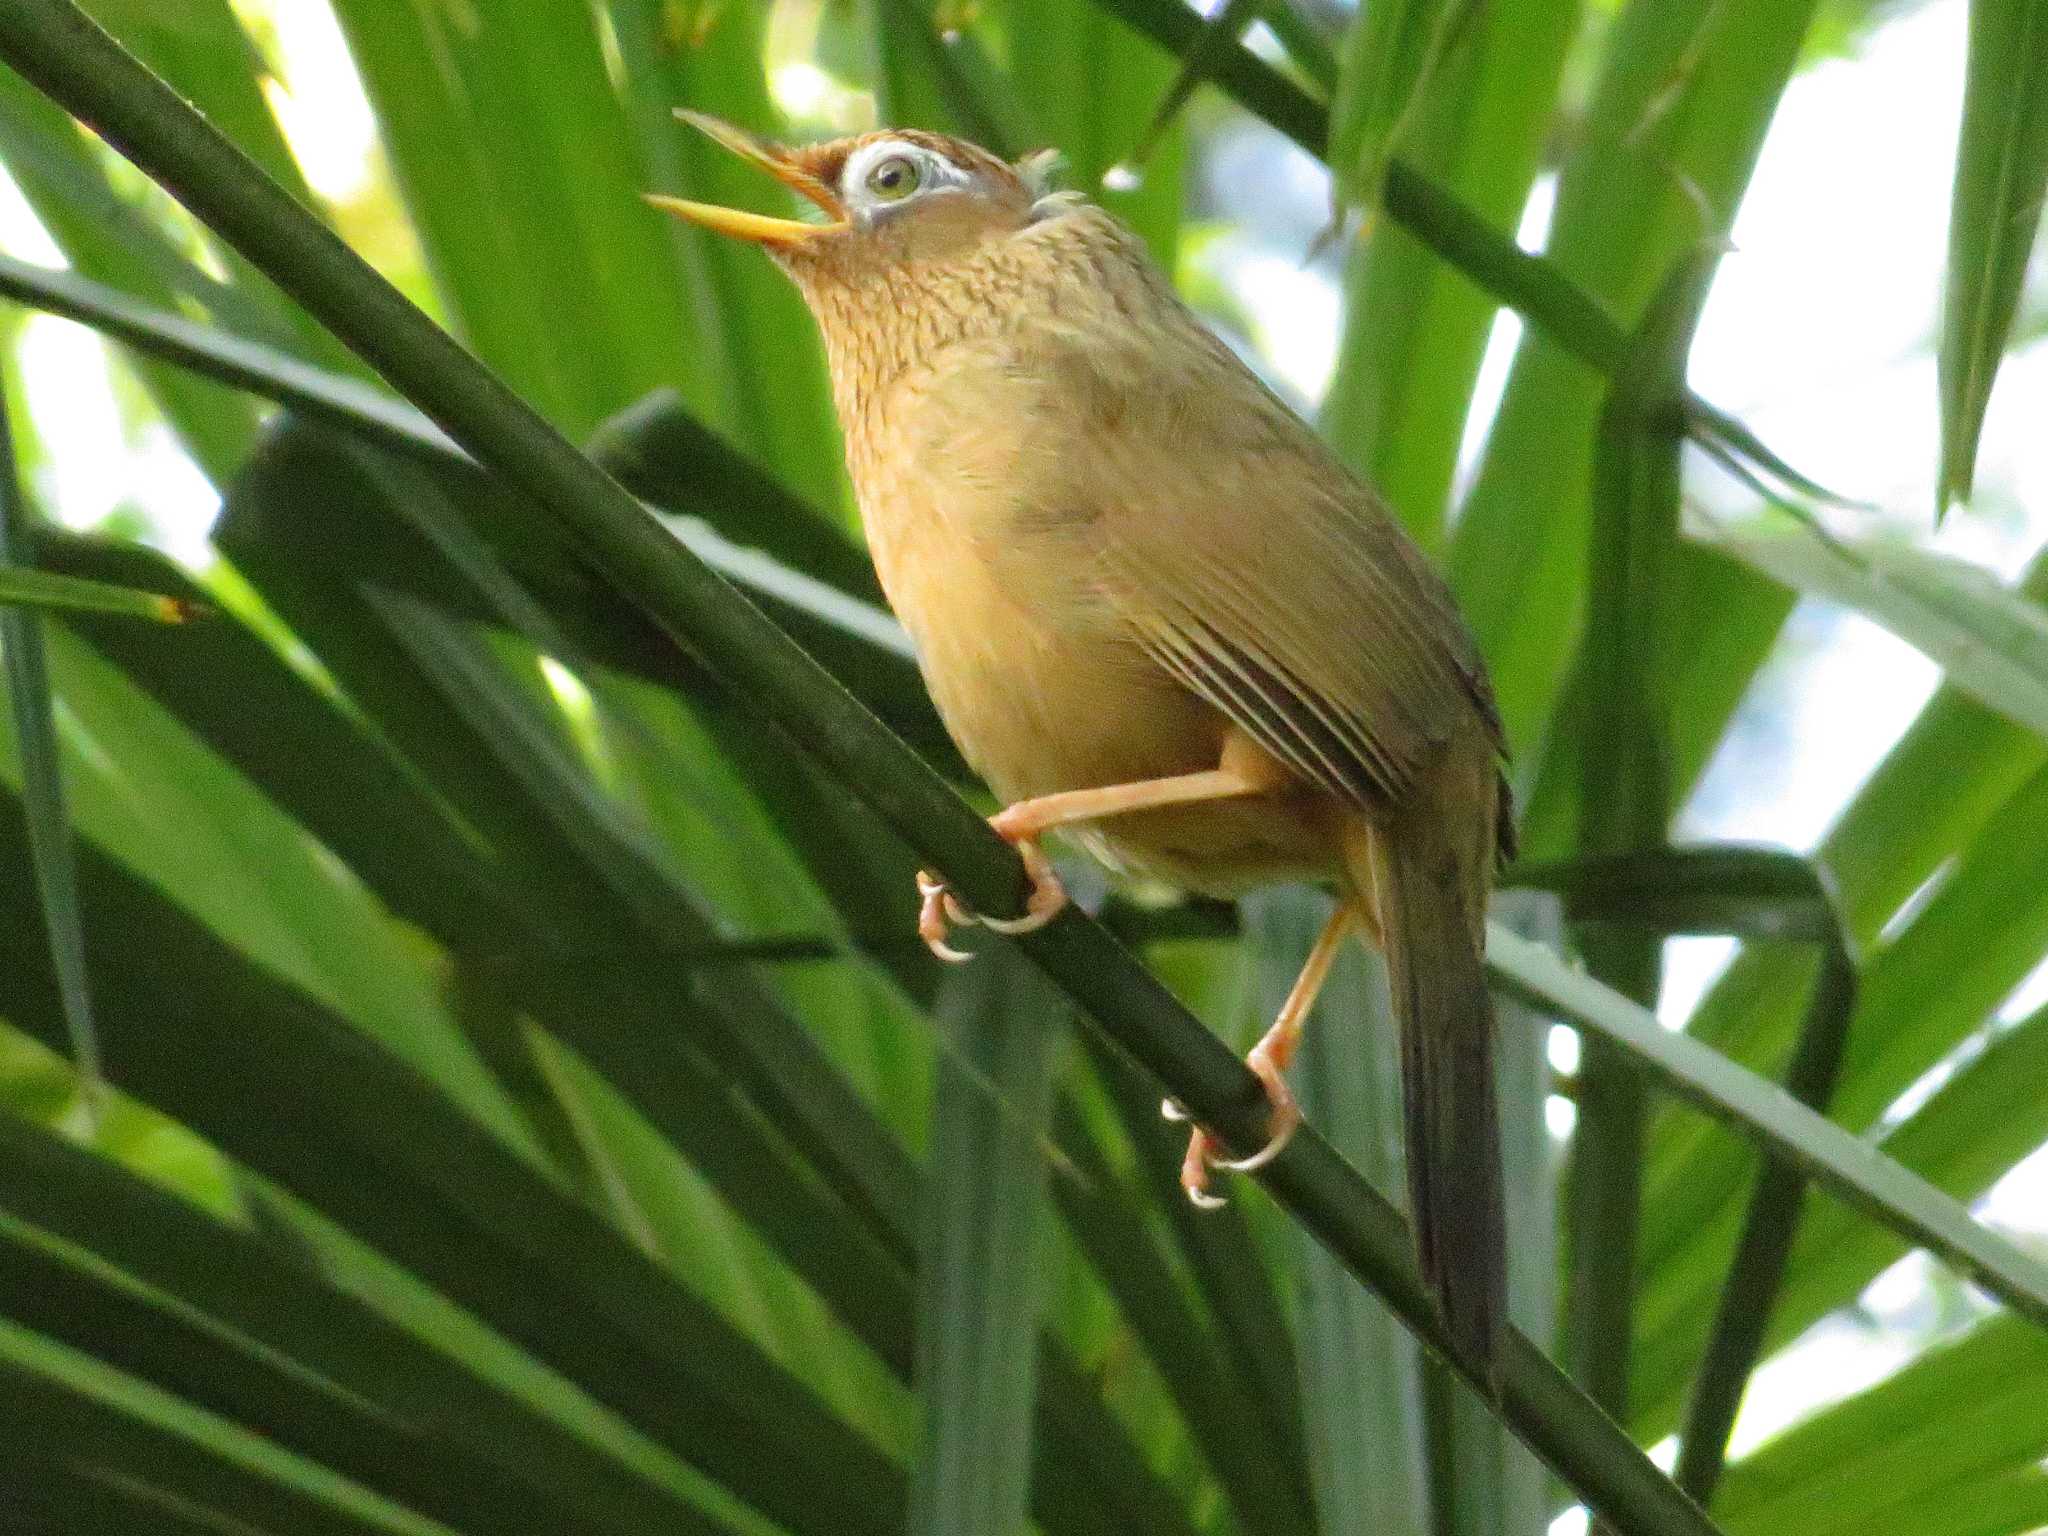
(1160, 616)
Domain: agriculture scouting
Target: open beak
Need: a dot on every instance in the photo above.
(777, 162)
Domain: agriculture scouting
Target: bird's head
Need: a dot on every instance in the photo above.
(888, 198)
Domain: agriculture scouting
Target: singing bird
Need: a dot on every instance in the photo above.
(1158, 614)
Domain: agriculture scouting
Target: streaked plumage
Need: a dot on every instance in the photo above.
(1120, 556)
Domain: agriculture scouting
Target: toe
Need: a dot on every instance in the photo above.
(1282, 1123)
(935, 919)
(1194, 1171)
(1281, 1132)
(1048, 894)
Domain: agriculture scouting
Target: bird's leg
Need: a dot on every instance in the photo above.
(1269, 1059)
(1023, 824)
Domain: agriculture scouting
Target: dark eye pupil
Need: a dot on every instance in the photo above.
(894, 178)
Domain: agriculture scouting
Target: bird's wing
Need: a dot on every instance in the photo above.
(1247, 562)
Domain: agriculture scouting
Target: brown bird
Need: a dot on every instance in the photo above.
(1157, 613)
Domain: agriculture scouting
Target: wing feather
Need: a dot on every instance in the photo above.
(1237, 553)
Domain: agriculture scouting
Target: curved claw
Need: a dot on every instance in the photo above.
(1276, 1143)
(937, 912)
(940, 911)
(1203, 1148)
(1048, 893)
(1194, 1172)
(1285, 1121)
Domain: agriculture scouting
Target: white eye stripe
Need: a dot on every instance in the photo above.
(934, 169)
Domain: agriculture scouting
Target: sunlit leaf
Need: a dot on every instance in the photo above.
(2001, 182)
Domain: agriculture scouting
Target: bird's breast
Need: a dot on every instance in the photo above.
(986, 552)
(1033, 674)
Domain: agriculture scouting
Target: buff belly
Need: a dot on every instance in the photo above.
(1039, 707)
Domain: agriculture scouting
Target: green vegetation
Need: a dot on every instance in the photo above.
(467, 1064)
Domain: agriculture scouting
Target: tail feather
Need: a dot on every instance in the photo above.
(1431, 903)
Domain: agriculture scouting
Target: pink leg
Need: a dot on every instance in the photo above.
(1269, 1059)
(1024, 823)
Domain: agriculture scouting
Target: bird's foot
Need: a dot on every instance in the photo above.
(940, 911)
(1205, 1151)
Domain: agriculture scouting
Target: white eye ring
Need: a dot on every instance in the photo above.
(928, 172)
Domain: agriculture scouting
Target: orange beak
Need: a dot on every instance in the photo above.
(777, 162)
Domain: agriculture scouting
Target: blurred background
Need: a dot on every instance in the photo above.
(487, 157)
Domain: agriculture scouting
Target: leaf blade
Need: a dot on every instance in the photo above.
(1826, 1152)
(980, 1271)
(1996, 207)
(33, 702)
(1991, 641)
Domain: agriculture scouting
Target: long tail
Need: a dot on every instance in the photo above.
(1428, 868)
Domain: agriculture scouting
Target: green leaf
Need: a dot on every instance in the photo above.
(1396, 58)
(200, 47)
(51, 43)
(1764, 1248)
(1920, 999)
(1178, 30)
(981, 1270)
(376, 1147)
(1092, 87)
(1263, 1472)
(1968, 1134)
(1964, 1409)
(33, 589)
(1919, 1003)
(1625, 801)
(1224, 27)
(85, 1308)
(1254, 1360)
(1731, 617)
(52, 1499)
(1927, 803)
(203, 50)
(733, 507)
(2001, 183)
(920, 82)
(119, 1432)
(1719, 888)
(33, 705)
(530, 216)
(758, 347)
(106, 239)
(1361, 1391)
(143, 246)
(1673, 129)
(1414, 332)
(266, 1309)
(1990, 641)
(1827, 1153)
(246, 362)
(1307, 40)
(1759, 894)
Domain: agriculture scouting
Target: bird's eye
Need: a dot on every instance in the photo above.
(894, 179)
